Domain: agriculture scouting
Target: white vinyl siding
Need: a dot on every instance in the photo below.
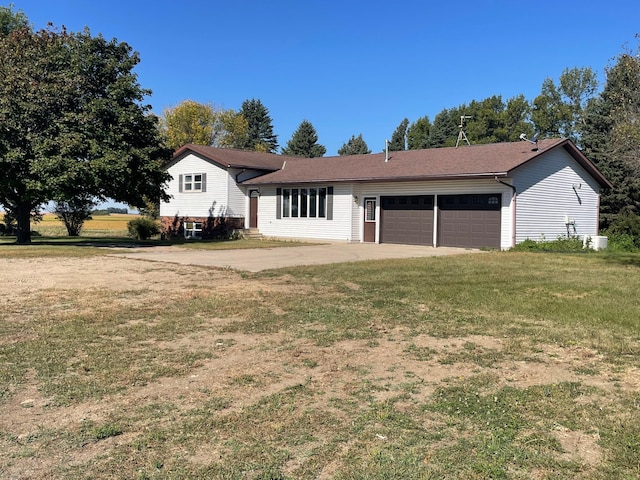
(212, 202)
(306, 227)
(546, 195)
(357, 215)
(237, 204)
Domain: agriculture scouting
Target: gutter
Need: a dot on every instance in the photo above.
(513, 209)
(454, 176)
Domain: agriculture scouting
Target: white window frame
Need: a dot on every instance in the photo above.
(314, 198)
(193, 182)
(193, 229)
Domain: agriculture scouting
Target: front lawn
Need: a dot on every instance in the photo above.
(496, 365)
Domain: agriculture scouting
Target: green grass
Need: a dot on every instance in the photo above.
(310, 408)
(64, 246)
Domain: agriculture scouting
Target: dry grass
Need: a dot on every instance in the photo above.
(100, 225)
(497, 365)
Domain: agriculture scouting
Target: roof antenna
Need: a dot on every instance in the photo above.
(462, 135)
(534, 140)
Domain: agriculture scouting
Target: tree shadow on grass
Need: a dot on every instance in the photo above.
(107, 242)
(622, 258)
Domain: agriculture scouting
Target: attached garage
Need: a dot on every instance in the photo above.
(471, 221)
(407, 219)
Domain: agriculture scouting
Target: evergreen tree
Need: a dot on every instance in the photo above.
(444, 131)
(355, 146)
(304, 142)
(260, 136)
(611, 137)
(418, 134)
(399, 137)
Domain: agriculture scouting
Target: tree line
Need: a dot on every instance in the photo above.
(75, 129)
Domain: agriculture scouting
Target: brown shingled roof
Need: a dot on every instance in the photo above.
(476, 161)
(229, 157)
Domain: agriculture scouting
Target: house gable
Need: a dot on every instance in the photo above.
(556, 196)
(210, 200)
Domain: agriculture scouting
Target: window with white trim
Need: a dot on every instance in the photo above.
(193, 182)
(192, 229)
(304, 202)
(370, 209)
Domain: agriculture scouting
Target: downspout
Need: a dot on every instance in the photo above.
(513, 214)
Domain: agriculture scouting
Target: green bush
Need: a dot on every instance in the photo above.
(624, 233)
(561, 244)
(143, 228)
(622, 242)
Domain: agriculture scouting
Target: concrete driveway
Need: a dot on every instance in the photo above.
(255, 260)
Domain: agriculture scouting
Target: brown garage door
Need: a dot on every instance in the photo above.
(471, 221)
(407, 220)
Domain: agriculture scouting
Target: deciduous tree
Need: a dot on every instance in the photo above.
(304, 142)
(11, 20)
(73, 213)
(354, 146)
(203, 124)
(73, 124)
(189, 122)
(559, 109)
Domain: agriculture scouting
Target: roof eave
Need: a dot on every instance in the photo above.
(413, 178)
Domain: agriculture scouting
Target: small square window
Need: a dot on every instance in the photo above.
(193, 182)
(192, 229)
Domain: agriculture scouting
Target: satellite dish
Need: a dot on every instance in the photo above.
(534, 140)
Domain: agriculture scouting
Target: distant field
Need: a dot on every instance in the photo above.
(101, 225)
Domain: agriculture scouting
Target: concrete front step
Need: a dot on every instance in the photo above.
(252, 233)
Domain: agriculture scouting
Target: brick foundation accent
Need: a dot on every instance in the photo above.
(212, 227)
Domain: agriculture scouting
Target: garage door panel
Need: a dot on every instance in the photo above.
(470, 221)
(407, 220)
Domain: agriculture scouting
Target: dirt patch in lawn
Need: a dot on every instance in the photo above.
(241, 370)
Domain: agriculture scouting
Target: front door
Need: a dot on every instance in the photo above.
(253, 209)
(369, 219)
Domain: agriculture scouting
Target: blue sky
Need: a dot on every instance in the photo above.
(350, 67)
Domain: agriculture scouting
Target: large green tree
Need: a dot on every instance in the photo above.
(11, 20)
(611, 137)
(492, 120)
(304, 142)
(559, 109)
(73, 124)
(260, 136)
(354, 146)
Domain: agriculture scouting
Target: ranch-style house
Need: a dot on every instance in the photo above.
(492, 195)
